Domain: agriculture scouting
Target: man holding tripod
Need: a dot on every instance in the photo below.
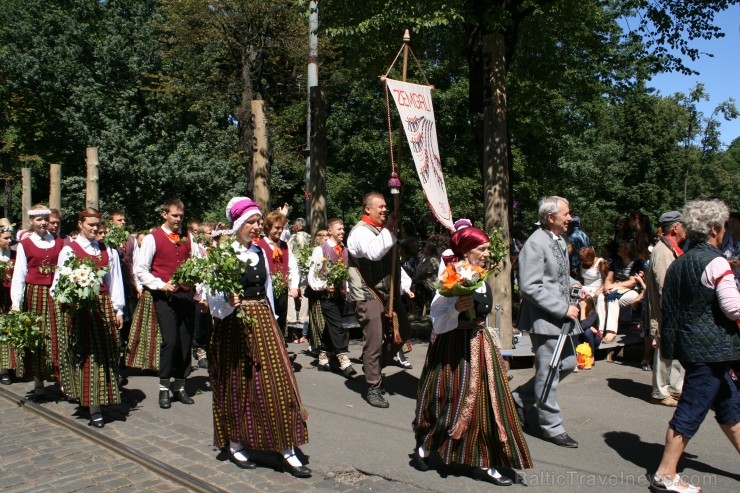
(546, 285)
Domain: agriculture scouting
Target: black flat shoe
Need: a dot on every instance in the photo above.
(563, 440)
(183, 397)
(164, 399)
(243, 464)
(96, 420)
(298, 472)
(481, 475)
(419, 462)
(348, 372)
(5, 379)
(325, 367)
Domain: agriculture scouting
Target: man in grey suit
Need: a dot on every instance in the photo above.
(545, 283)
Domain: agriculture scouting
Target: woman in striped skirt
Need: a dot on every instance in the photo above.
(92, 331)
(35, 260)
(9, 360)
(464, 408)
(256, 404)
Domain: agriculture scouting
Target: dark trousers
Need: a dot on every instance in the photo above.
(374, 322)
(202, 333)
(281, 310)
(336, 337)
(175, 314)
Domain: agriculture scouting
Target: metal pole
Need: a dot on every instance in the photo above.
(313, 81)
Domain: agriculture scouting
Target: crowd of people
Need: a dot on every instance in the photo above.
(680, 283)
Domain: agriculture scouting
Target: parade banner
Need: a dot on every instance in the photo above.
(414, 103)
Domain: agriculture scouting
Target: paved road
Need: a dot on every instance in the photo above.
(38, 455)
(355, 447)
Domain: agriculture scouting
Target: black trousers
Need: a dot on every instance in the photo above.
(281, 310)
(336, 337)
(175, 313)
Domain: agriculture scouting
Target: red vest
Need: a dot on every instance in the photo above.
(37, 257)
(99, 260)
(168, 256)
(277, 265)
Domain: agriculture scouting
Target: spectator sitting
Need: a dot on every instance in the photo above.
(621, 286)
(592, 274)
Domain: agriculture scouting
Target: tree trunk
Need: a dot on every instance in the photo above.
(318, 161)
(245, 125)
(55, 186)
(91, 192)
(25, 197)
(496, 172)
(260, 157)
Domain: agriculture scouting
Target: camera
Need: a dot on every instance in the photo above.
(575, 292)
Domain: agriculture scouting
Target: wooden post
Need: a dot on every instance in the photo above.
(55, 186)
(318, 161)
(25, 197)
(91, 192)
(496, 173)
(260, 161)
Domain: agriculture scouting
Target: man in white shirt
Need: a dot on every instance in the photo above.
(370, 246)
(161, 254)
(330, 297)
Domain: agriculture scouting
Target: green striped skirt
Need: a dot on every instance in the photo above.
(91, 353)
(464, 408)
(145, 338)
(255, 393)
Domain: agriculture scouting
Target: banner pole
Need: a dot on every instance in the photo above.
(396, 192)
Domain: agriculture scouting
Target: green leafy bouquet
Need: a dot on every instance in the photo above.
(279, 284)
(21, 331)
(116, 237)
(6, 271)
(334, 272)
(221, 270)
(303, 258)
(79, 282)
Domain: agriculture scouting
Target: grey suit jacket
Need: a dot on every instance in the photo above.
(544, 281)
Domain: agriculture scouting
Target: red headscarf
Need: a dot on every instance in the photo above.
(464, 240)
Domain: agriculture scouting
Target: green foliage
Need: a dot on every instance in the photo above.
(498, 249)
(220, 271)
(21, 331)
(279, 284)
(116, 236)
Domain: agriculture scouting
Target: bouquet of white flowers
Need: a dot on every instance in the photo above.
(79, 281)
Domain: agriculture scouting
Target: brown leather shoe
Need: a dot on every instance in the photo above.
(668, 401)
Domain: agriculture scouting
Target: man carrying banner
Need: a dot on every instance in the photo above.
(370, 247)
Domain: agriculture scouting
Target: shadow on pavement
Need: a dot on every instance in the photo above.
(631, 447)
(630, 388)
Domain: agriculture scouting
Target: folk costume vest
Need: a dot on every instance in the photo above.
(100, 261)
(277, 258)
(41, 262)
(168, 256)
(370, 275)
(254, 279)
